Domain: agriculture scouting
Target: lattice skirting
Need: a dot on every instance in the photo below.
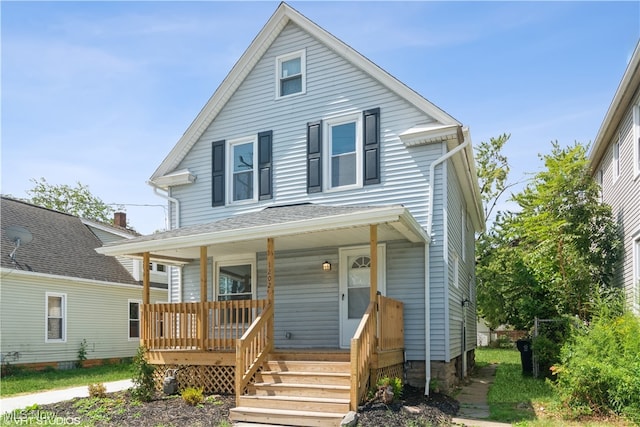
(393, 371)
(213, 379)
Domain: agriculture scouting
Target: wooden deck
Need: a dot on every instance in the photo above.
(228, 347)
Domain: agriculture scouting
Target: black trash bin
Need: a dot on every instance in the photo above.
(526, 356)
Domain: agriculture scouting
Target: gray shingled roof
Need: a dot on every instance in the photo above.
(62, 245)
(265, 217)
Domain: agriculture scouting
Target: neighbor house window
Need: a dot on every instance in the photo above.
(600, 182)
(343, 145)
(636, 140)
(235, 282)
(160, 268)
(56, 317)
(134, 319)
(456, 273)
(242, 175)
(616, 158)
(291, 74)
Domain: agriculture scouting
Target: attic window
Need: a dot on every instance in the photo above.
(291, 74)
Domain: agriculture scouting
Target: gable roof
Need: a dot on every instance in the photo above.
(619, 106)
(281, 17)
(62, 245)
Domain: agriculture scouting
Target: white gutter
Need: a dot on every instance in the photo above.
(427, 319)
(170, 199)
(427, 299)
(432, 173)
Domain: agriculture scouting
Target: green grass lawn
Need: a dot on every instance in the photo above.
(32, 381)
(521, 400)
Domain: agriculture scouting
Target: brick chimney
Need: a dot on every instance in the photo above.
(120, 219)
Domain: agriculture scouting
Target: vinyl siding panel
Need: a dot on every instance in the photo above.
(95, 312)
(253, 108)
(623, 194)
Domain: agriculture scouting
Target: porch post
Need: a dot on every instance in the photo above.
(373, 278)
(270, 285)
(203, 323)
(146, 279)
(373, 232)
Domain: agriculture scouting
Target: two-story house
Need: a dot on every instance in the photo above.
(56, 292)
(323, 218)
(615, 164)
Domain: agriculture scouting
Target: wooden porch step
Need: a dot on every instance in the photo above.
(293, 377)
(286, 417)
(313, 355)
(296, 403)
(308, 366)
(307, 390)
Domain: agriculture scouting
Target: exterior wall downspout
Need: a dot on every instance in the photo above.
(177, 270)
(432, 173)
(427, 319)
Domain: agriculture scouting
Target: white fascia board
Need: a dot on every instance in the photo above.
(357, 219)
(47, 278)
(624, 93)
(107, 229)
(428, 134)
(181, 177)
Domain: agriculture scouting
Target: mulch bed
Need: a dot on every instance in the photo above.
(118, 409)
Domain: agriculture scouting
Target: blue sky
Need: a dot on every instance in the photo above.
(99, 92)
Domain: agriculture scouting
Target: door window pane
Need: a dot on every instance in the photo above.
(234, 283)
(359, 277)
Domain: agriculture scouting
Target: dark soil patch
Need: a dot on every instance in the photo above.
(118, 409)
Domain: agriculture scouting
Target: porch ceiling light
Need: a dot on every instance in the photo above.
(326, 266)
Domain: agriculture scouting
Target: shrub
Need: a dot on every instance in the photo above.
(97, 390)
(193, 396)
(143, 383)
(82, 353)
(389, 389)
(600, 369)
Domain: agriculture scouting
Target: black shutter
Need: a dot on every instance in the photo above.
(371, 146)
(314, 157)
(218, 172)
(265, 168)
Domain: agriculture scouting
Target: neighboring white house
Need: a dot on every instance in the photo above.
(615, 164)
(308, 147)
(56, 291)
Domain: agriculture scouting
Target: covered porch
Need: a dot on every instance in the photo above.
(227, 345)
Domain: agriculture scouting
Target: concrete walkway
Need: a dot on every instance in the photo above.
(9, 404)
(474, 408)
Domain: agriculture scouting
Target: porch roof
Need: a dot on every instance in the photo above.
(293, 226)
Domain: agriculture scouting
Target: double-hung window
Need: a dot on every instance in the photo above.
(242, 174)
(56, 317)
(134, 319)
(343, 147)
(636, 141)
(291, 74)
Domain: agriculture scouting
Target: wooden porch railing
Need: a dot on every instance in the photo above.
(390, 324)
(212, 325)
(363, 345)
(253, 349)
(390, 336)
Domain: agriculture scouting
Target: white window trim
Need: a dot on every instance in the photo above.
(456, 270)
(600, 182)
(129, 337)
(615, 158)
(302, 54)
(463, 227)
(636, 273)
(235, 260)
(326, 147)
(64, 317)
(229, 172)
(636, 141)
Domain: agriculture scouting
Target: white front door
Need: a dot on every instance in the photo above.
(355, 268)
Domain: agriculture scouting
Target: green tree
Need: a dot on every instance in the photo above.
(76, 200)
(492, 168)
(557, 254)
